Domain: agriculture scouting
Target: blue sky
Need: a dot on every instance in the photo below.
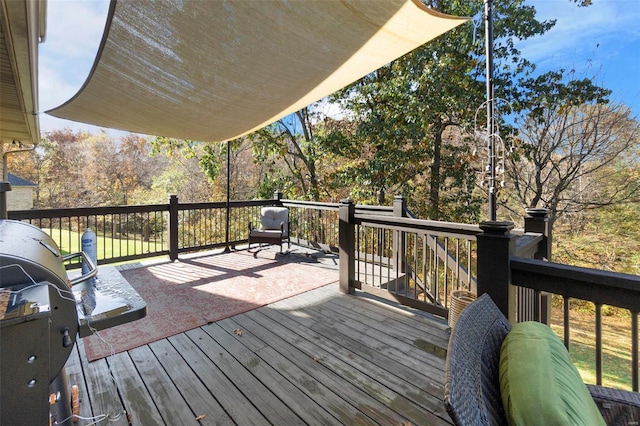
(600, 42)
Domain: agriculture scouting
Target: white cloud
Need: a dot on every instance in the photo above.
(601, 41)
(581, 32)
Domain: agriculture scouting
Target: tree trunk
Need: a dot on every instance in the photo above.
(434, 182)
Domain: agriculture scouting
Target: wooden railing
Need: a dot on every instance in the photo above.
(313, 224)
(596, 286)
(126, 233)
(417, 262)
(420, 263)
(509, 273)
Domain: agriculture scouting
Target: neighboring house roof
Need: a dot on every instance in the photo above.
(22, 27)
(18, 181)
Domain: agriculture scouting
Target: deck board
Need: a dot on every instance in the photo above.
(141, 408)
(318, 358)
(194, 394)
(298, 401)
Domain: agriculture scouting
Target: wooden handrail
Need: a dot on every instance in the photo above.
(594, 285)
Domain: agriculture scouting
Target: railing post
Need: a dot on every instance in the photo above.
(496, 246)
(4, 188)
(277, 196)
(399, 243)
(173, 227)
(539, 220)
(347, 245)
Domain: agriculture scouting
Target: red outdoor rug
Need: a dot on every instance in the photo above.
(194, 292)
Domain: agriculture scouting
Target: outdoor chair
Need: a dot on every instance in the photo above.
(472, 394)
(274, 227)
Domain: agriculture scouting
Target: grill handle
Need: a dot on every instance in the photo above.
(93, 269)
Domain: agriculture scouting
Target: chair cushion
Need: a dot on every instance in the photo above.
(272, 217)
(274, 234)
(539, 384)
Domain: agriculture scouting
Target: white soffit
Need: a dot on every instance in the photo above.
(21, 29)
(216, 70)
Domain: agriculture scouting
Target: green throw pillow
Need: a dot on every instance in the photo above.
(538, 382)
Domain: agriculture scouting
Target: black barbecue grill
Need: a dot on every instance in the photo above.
(42, 312)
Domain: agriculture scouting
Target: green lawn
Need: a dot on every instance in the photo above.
(616, 347)
(107, 248)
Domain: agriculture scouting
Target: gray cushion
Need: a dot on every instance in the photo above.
(272, 217)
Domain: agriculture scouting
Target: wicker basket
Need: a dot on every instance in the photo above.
(460, 299)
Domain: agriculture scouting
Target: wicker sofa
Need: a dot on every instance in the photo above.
(472, 385)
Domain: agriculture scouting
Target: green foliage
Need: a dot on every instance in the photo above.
(211, 157)
(557, 90)
(289, 153)
(403, 130)
(402, 140)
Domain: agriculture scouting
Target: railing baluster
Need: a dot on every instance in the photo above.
(598, 343)
(436, 271)
(366, 250)
(425, 247)
(415, 268)
(357, 251)
(634, 351)
(398, 285)
(447, 290)
(380, 251)
(567, 330)
(457, 277)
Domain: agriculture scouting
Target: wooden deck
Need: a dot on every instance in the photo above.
(321, 357)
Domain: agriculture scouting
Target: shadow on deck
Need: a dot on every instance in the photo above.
(320, 357)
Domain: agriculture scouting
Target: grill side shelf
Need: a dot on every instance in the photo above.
(106, 301)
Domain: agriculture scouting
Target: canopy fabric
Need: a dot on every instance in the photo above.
(216, 70)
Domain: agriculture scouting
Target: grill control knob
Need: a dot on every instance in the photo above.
(66, 339)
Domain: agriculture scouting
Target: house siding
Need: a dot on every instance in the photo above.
(20, 198)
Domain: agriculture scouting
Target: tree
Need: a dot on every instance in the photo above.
(62, 185)
(194, 169)
(292, 141)
(405, 110)
(115, 169)
(573, 156)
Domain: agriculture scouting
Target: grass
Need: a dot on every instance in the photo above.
(616, 346)
(607, 239)
(107, 248)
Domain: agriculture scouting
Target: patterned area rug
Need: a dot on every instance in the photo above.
(194, 292)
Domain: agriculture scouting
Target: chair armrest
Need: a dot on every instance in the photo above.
(617, 406)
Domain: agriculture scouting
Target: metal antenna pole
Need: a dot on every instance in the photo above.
(488, 11)
(228, 202)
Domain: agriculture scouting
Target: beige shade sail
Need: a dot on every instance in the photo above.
(213, 70)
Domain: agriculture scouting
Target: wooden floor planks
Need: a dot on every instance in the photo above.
(319, 358)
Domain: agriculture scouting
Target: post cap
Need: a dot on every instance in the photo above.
(538, 212)
(496, 227)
